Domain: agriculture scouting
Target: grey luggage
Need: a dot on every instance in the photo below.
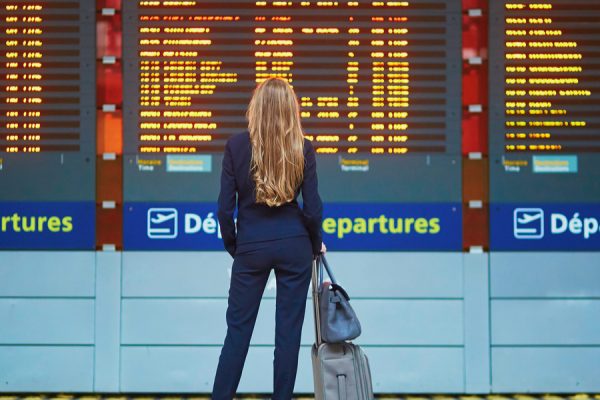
(340, 370)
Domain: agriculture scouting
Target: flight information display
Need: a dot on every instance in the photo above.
(370, 76)
(544, 123)
(45, 59)
(47, 133)
(378, 83)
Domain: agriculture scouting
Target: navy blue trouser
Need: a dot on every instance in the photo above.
(291, 258)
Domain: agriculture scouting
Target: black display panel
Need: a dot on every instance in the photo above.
(379, 85)
(47, 103)
(544, 101)
(544, 125)
(48, 124)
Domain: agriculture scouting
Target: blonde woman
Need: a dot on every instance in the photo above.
(267, 167)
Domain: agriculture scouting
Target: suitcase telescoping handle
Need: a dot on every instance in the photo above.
(315, 298)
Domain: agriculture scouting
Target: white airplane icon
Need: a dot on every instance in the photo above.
(160, 218)
(527, 218)
(528, 223)
(162, 223)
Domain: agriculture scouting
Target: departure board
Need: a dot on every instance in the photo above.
(197, 62)
(544, 98)
(47, 134)
(378, 84)
(544, 120)
(372, 77)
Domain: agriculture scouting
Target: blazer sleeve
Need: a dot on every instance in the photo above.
(227, 202)
(312, 205)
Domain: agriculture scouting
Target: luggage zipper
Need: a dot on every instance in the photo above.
(364, 384)
(358, 371)
(370, 381)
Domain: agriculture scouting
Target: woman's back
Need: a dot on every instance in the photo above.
(258, 221)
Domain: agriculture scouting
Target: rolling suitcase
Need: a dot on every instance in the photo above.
(340, 370)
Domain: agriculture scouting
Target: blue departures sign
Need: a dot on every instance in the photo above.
(552, 227)
(350, 227)
(371, 227)
(48, 225)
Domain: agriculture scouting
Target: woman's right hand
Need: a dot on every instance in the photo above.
(323, 248)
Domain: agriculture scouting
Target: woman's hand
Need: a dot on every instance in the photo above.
(323, 248)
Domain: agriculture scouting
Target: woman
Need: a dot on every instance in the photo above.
(267, 167)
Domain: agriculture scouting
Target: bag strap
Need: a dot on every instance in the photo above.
(338, 290)
(323, 263)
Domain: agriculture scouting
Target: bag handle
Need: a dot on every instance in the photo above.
(323, 263)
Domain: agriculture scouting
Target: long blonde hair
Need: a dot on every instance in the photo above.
(277, 164)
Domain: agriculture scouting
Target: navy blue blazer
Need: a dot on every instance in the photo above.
(258, 222)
